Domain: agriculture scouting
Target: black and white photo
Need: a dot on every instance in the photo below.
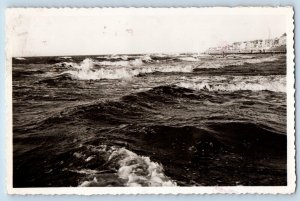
(168, 98)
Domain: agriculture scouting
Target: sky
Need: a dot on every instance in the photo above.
(95, 32)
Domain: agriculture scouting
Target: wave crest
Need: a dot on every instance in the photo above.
(139, 170)
(87, 70)
(132, 169)
(253, 83)
(234, 61)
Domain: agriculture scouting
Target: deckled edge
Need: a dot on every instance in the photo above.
(291, 176)
(8, 105)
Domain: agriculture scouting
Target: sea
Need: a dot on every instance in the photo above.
(149, 120)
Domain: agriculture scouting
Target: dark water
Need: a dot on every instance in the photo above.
(149, 120)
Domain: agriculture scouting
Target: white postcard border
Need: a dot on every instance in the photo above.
(290, 83)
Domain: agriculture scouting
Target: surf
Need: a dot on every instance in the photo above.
(130, 168)
(88, 69)
(238, 83)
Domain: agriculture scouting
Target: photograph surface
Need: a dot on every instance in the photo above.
(122, 99)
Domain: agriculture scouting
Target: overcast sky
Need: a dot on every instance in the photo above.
(82, 33)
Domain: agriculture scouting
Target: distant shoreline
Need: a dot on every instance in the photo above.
(231, 53)
(182, 54)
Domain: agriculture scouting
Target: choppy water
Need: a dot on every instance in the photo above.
(149, 120)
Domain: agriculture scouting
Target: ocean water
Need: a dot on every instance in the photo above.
(149, 120)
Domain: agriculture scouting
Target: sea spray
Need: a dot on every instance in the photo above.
(132, 169)
(241, 83)
(86, 70)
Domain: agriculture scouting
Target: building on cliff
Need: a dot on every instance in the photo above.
(275, 45)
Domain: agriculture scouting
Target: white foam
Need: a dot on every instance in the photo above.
(219, 63)
(66, 64)
(227, 61)
(188, 59)
(146, 58)
(85, 171)
(168, 69)
(87, 71)
(88, 74)
(20, 58)
(120, 63)
(253, 83)
(78, 155)
(261, 60)
(89, 158)
(132, 169)
(139, 170)
(123, 57)
(88, 183)
(139, 61)
(65, 57)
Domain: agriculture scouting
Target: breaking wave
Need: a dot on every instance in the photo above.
(20, 58)
(260, 60)
(126, 68)
(65, 57)
(253, 83)
(227, 61)
(87, 70)
(66, 64)
(189, 59)
(132, 169)
(135, 62)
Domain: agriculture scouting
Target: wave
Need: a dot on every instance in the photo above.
(112, 58)
(54, 79)
(161, 94)
(187, 145)
(133, 107)
(168, 69)
(139, 170)
(87, 70)
(260, 60)
(188, 59)
(240, 83)
(252, 139)
(136, 62)
(66, 57)
(132, 169)
(105, 112)
(88, 74)
(143, 106)
(125, 68)
(216, 137)
(20, 58)
(66, 64)
(129, 108)
(235, 61)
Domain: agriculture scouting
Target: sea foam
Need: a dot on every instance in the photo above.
(139, 170)
(253, 83)
(133, 169)
(20, 58)
(228, 61)
(86, 70)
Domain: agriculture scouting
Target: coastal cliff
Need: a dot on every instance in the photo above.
(275, 45)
